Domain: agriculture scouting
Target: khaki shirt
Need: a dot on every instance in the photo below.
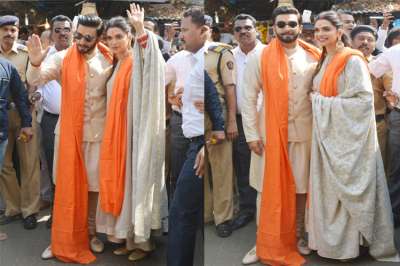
(18, 56)
(98, 72)
(227, 68)
(380, 85)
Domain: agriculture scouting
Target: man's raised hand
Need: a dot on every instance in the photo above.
(35, 50)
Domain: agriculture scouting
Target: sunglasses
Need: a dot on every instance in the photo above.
(239, 29)
(87, 38)
(292, 24)
(59, 30)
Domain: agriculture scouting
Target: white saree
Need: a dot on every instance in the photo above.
(144, 183)
(349, 201)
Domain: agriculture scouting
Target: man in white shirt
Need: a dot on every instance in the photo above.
(246, 35)
(177, 70)
(186, 211)
(389, 61)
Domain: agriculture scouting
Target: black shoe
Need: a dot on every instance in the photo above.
(241, 220)
(4, 219)
(224, 229)
(49, 222)
(30, 222)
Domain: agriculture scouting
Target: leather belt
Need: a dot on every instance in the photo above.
(177, 113)
(379, 118)
(196, 139)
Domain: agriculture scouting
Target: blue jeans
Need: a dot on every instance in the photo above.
(394, 162)
(3, 147)
(186, 211)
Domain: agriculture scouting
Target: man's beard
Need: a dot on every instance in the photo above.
(288, 38)
(84, 49)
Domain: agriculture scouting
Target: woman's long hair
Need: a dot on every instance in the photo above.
(334, 19)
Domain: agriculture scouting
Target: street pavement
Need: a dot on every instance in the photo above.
(24, 247)
(230, 251)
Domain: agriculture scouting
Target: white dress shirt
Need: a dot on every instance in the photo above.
(241, 62)
(380, 42)
(388, 61)
(192, 119)
(178, 69)
(51, 91)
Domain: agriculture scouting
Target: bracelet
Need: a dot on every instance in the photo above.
(35, 65)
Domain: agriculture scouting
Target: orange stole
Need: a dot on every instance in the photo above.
(276, 236)
(69, 234)
(113, 147)
(328, 87)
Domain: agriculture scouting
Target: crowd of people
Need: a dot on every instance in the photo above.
(130, 135)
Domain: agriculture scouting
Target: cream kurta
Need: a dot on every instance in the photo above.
(301, 68)
(349, 194)
(98, 71)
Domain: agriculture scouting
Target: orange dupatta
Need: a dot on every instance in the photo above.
(113, 147)
(328, 87)
(69, 234)
(276, 236)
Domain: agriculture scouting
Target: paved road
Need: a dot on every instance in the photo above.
(230, 251)
(23, 248)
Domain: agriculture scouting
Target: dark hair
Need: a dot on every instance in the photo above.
(343, 12)
(333, 18)
(118, 22)
(286, 10)
(92, 21)
(244, 17)
(197, 16)
(60, 18)
(393, 34)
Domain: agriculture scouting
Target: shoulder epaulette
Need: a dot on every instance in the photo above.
(22, 47)
(219, 47)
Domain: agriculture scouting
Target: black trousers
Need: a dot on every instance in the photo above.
(186, 211)
(241, 163)
(48, 124)
(178, 147)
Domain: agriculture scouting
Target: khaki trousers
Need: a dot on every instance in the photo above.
(381, 129)
(22, 198)
(220, 194)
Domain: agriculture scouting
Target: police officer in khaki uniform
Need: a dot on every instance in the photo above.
(20, 199)
(220, 66)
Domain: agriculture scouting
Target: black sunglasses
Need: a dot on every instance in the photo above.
(292, 24)
(59, 30)
(87, 38)
(239, 29)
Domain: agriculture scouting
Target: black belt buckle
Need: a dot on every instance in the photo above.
(177, 113)
(379, 118)
(196, 139)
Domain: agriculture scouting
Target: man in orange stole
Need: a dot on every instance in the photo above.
(83, 71)
(284, 70)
